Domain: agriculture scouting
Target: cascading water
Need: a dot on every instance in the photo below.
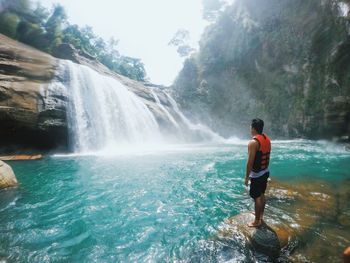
(167, 113)
(202, 131)
(103, 113)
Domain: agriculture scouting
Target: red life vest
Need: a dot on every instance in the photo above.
(262, 156)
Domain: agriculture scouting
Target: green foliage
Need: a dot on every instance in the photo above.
(53, 27)
(8, 24)
(47, 30)
(131, 67)
(181, 41)
(32, 34)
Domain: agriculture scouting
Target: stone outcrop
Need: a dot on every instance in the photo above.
(7, 176)
(268, 239)
(31, 114)
(262, 238)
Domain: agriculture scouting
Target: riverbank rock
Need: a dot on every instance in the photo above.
(7, 176)
(264, 238)
(21, 157)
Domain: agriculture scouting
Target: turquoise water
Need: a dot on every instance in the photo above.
(163, 206)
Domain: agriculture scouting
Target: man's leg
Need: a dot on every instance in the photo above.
(263, 206)
(264, 185)
(259, 204)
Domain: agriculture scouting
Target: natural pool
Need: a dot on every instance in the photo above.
(169, 205)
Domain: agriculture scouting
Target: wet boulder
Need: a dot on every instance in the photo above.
(263, 239)
(7, 176)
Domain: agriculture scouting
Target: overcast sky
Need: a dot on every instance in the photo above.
(143, 28)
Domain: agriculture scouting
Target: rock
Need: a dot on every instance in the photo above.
(21, 157)
(7, 176)
(32, 112)
(314, 209)
(263, 238)
(311, 85)
(307, 202)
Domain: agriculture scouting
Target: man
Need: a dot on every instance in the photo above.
(257, 172)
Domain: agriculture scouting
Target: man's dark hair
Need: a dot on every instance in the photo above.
(258, 125)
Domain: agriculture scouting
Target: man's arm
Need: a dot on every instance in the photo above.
(252, 149)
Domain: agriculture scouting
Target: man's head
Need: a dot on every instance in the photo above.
(256, 127)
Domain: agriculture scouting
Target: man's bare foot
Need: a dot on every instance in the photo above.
(255, 223)
(262, 220)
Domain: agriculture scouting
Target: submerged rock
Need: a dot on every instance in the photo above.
(264, 238)
(313, 209)
(7, 176)
(305, 202)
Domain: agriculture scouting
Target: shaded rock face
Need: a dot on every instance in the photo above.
(32, 115)
(7, 176)
(286, 62)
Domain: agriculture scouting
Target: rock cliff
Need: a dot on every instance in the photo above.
(284, 61)
(30, 115)
(33, 113)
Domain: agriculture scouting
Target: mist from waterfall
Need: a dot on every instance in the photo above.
(103, 113)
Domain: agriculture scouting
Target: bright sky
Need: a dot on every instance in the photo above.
(143, 28)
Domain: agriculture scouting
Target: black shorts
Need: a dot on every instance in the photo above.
(258, 185)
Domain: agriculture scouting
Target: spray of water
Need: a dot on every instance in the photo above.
(105, 116)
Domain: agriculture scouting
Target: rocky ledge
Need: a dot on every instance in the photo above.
(30, 117)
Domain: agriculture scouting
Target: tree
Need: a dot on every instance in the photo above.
(9, 23)
(181, 41)
(131, 67)
(53, 27)
(40, 14)
(45, 30)
(32, 34)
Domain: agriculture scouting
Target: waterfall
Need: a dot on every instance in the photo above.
(166, 112)
(200, 131)
(103, 113)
